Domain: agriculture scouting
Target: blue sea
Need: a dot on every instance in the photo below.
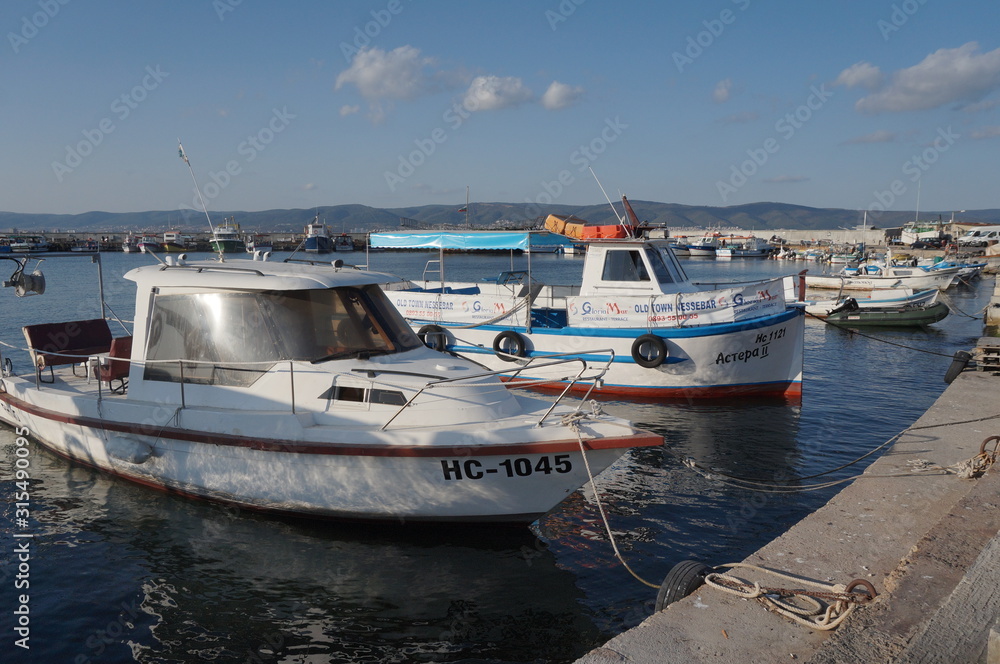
(121, 573)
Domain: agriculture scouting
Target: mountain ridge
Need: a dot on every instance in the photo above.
(359, 218)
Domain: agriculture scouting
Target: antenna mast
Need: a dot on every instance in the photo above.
(183, 155)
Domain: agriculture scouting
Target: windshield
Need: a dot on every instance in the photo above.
(234, 337)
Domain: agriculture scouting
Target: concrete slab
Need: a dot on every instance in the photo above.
(914, 535)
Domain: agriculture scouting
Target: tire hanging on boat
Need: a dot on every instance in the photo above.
(509, 343)
(434, 337)
(649, 351)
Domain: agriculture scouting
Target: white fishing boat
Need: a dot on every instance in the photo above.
(704, 246)
(891, 276)
(744, 247)
(634, 307)
(296, 388)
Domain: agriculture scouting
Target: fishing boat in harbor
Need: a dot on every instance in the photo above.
(317, 240)
(634, 308)
(296, 388)
(343, 242)
(174, 242)
(226, 238)
(744, 247)
(130, 245)
(886, 276)
(148, 243)
(877, 299)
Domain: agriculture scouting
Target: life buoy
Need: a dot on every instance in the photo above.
(649, 351)
(434, 337)
(507, 344)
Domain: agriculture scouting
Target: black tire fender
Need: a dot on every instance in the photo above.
(649, 351)
(512, 341)
(434, 337)
(683, 579)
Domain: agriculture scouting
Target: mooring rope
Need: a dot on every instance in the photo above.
(840, 600)
(572, 420)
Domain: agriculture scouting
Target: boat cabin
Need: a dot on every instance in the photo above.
(209, 324)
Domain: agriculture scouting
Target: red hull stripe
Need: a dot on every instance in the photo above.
(639, 439)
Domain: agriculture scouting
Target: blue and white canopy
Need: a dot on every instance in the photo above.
(467, 240)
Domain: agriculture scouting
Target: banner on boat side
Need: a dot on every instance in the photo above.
(729, 305)
(462, 309)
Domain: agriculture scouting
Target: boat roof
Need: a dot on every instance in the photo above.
(467, 239)
(245, 274)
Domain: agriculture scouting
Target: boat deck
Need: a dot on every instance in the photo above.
(78, 384)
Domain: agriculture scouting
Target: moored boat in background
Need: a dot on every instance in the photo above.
(635, 309)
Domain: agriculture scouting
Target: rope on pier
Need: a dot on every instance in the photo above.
(801, 606)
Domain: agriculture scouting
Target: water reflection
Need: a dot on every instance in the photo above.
(161, 578)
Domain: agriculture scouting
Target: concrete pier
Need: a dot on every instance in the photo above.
(926, 539)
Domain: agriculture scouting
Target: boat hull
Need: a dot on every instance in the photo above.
(328, 476)
(227, 246)
(318, 245)
(760, 357)
(917, 282)
(916, 316)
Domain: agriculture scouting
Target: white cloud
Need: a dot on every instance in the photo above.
(860, 75)
(949, 75)
(880, 136)
(559, 95)
(992, 131)
(985, 105)
(346, 110)
(722, 90)
(490, 93)
(381, 75)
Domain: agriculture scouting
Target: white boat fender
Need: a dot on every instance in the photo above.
(509, 345)
(129, 450)
(433, 336)
(649, 351)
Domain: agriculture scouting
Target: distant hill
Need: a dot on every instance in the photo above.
(362, 218)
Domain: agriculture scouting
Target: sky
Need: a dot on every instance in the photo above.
(391, 103)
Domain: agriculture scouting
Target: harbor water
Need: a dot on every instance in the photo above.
(122, 573)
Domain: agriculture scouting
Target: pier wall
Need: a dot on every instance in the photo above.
(927, 540)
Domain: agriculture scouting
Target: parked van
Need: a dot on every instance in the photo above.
(980, 237)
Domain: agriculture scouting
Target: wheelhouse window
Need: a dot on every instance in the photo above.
(666, 267)
(624, 265)
(232, 338)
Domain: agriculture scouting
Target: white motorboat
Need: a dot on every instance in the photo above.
(744, 247)
(891, 276)
(634, 308)
(296, 388)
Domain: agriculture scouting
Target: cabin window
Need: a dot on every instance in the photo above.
(622, 265)
(233, 338)
(666, 267)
